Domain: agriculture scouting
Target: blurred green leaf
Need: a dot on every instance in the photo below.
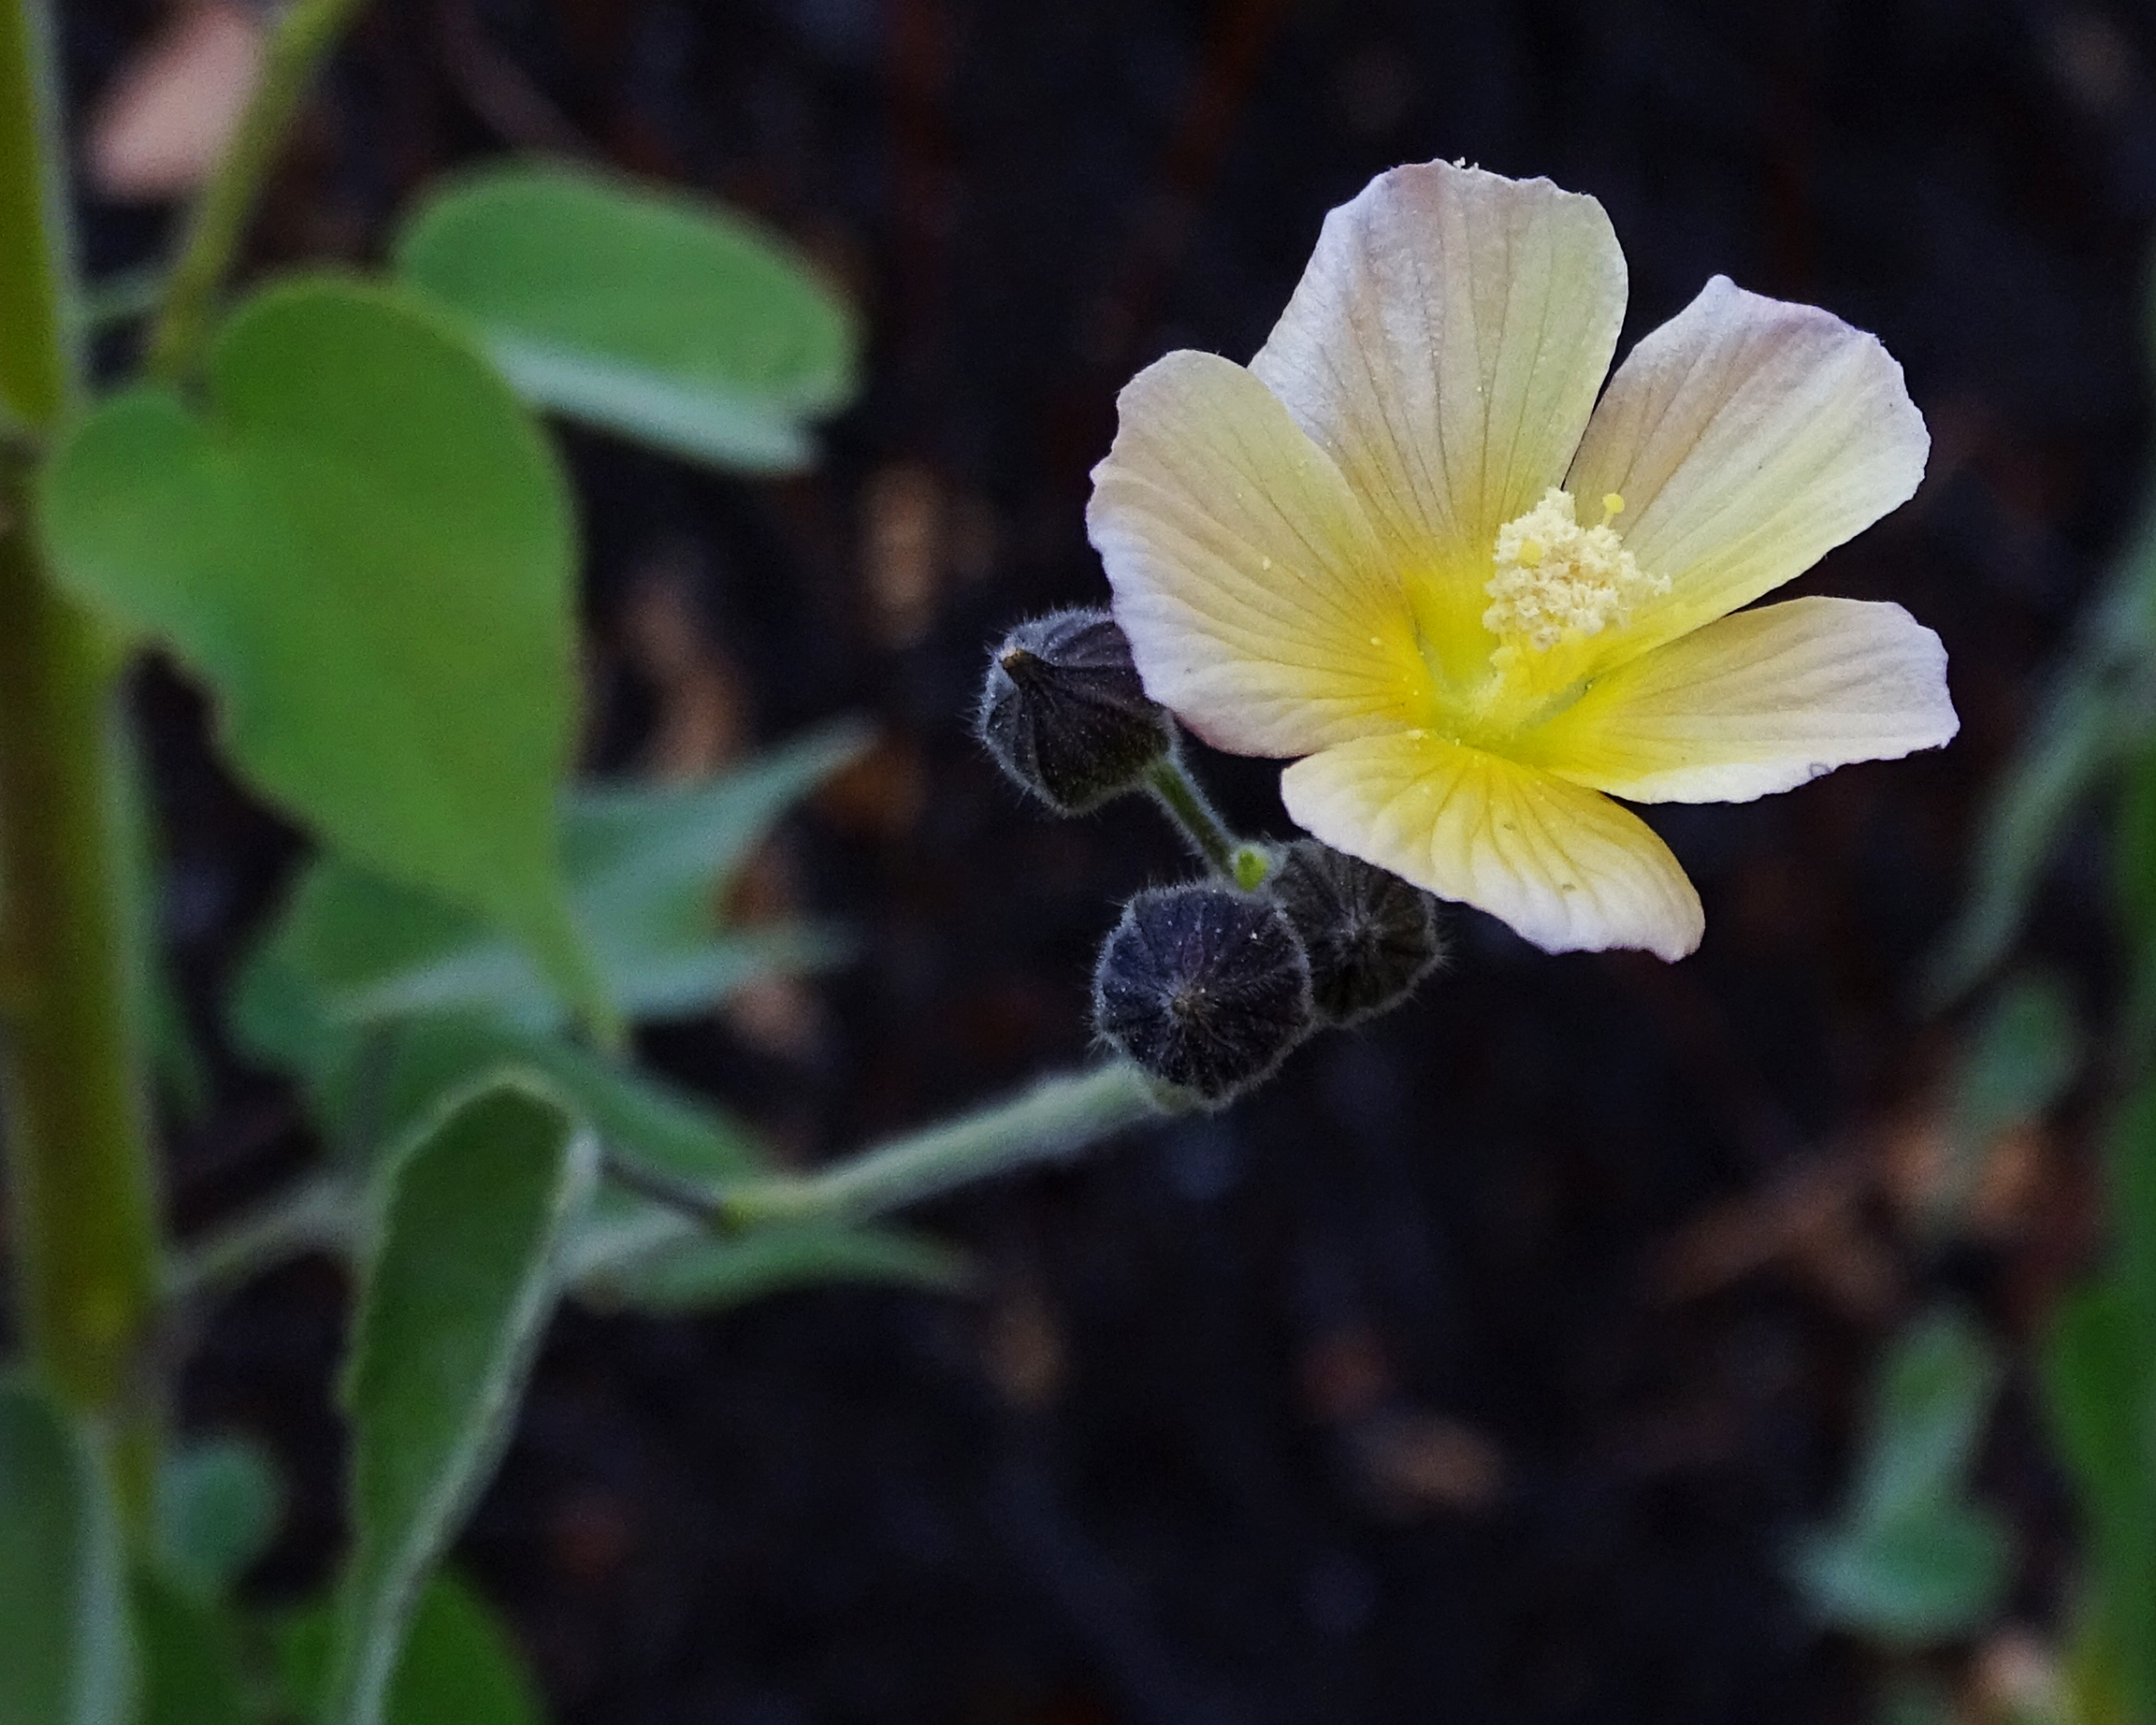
(1910, 1560)
(365, 546)
(1930, 1403)
(2098, 707)
(453, 1303)
(1929, 1577)
(422, 1060)
(2134, 848)
(656, 315)
(459, 1666)
(2096, 1385)
(65, 1651)
(191, 1668)
(2099, 1393)
(648, 868)
(2022, 1054)
(219, 1503)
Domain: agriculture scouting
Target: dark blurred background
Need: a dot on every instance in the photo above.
(1485, 1365)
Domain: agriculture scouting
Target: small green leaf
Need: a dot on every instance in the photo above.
(454, 1297)
(656, 315)
(1927, 1577)
(648, 868)
(364, 546)
(65, 1651)
(218, 1501)
(191, 1668)
(1932, 1399)
(1911, 1561)
(460, 1666)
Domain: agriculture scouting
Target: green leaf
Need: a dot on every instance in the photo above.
(364, 546)
(191, 1668)
(2025, 1052)
(219, 1501)
(654, 314)
(1929, 1577)
(422, 1060)
(2098, 707)
(1911, 1561)
(2098, 1389)
(460, 1666)
(454, 1301)
(2096, 1385)
(66, 1653)
(648, 868)
(1930, 1404)
(2021, 1057)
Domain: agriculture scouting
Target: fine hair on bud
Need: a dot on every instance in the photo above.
(1064, 713)
(1204, 987)
(1370, 935)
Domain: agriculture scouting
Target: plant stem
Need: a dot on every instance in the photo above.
(304, 34)
(1053, 1121)
(82, 1180)
(1178, 792)
(700, 1203)
(317, 1212)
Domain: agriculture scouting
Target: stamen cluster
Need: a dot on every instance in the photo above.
(1555, 577)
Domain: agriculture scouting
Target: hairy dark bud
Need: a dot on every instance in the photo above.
(1370, 935)
(1064, 715)
(1204, 987)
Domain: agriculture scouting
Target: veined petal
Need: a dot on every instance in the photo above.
(1747, 436)
(1444, 347)
(1565, 866)
(1258, 605)
(1756, 702)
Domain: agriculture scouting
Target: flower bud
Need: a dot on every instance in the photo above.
(1204, 987)
(1370, 935)
(1064, 713)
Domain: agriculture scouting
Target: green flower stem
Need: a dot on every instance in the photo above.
(1053, 1121)
(81, 1182)
(303, 35)
(1187, 806)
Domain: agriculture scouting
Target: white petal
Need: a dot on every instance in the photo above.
(1564, 866)
(1444, 348)
(1748, 436)
(1757, 703)
(1258, 605)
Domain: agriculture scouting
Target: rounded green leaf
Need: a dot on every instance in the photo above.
(364, 545)
(66, 1654)
(218, 1501)
(658, 316)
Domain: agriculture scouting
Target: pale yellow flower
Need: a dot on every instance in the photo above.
(1408, 548)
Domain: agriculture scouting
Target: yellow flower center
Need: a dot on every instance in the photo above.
(1556, 578)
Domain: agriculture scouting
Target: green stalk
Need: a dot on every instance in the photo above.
(1187, 806)
(82, 1182)
(1053, 1121)
(303, 36)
